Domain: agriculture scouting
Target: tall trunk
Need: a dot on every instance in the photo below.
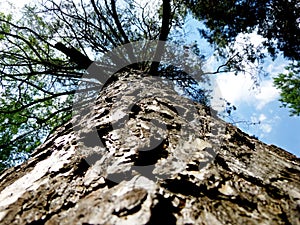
(160, 160)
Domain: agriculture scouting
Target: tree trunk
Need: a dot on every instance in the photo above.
(160, 160)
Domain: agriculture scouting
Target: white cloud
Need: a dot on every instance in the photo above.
(266, 128)
(253, 38)
(234, 88)
(263, 124)
(267, 123)
(240, 89)
(262, 117)
(266, 94)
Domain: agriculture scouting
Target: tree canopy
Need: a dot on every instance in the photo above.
(289, 84)
(276, 21)
(46, 52)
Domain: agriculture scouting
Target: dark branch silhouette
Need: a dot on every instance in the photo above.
(76, 56)
(163, 36)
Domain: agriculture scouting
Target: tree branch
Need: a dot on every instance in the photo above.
(36, 102)
(80, 59)
(164, 32)
(120, 28)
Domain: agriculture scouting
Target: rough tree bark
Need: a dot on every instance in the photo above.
(202, 171)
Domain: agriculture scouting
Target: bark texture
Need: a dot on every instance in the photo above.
(200, 171)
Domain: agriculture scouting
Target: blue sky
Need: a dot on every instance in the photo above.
(260, 104)
(276, 126)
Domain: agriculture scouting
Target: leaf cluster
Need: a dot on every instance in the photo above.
(276, 21)
(289, 84)
(44, 55)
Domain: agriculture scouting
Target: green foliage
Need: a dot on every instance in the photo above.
(38, 79)
(277, 21)
(35, 97)
(289, 84)
(27, 115)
